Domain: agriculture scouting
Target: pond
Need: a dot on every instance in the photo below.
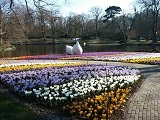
(25, 50)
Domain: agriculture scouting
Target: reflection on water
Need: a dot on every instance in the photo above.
(23, 50)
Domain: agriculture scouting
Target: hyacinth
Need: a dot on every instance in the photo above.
(69, 82)
(81, 89)
(32, 64)
(56, 84)
(60, 56)
(138, 57)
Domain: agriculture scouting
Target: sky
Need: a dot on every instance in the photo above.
(83, 6)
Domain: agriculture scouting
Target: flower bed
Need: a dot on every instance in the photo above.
(99, 107)
(135, 57)
(150, 60)
(99, 86)
(11, 66)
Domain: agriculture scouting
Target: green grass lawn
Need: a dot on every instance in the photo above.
(11, 110)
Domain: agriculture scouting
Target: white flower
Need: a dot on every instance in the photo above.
(67, 94)
(99, 88)
(45, 97)
(112, 86)
(76, 89)
(37, 95)
(50, 98)
(41, 95)
(57, 98)
(85, 92)
(64, 90)
(103, 86)
(89, 89)
(71, 96)
(64, 85)
(64, 98)
(116, 82)
(81, 94)
(38, 92)
(122, 84)
(34, 90)
(51, 87)
(46, 88)
(92, 88)
(69, 84)
(56, 87)
(75, 95)
(106, 89)
(40, 88)
(27, 92)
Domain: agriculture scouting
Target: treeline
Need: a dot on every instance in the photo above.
(20, 22)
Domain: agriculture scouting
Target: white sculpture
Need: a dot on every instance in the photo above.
(69, 49)
(77, 49)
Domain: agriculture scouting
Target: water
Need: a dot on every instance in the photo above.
(25, 50)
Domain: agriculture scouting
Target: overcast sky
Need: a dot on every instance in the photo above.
(83, 6)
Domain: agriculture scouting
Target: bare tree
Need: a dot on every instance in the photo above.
(3, 12)
(154, 8)
(53, 16)
(96, 12)
(74, 24)
(42, 23)
(1, 32)
(122, 25)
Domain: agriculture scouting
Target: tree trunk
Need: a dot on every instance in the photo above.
(154, 25)
(43, 32)
(96, 27)
(1, 32)
(53, 34)
(124, 35)
(154, 39)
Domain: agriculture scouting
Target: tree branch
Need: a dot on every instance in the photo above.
(11, 4)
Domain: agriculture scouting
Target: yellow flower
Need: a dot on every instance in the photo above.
(95, 114)
(104, 115)
(95, 118)
(95, 110)
(74, 103)
(91, 100)
(90, 109)
(111, 111)
(86, 105)
(72, 111)
(80, 103)
(111, 106)
(81, 112)
(89, 114)
(99, 107)
(103, 111)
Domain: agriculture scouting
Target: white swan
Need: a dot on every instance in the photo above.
(69, 49)
(77, 49)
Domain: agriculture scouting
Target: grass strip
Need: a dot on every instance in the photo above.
(12, 110)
